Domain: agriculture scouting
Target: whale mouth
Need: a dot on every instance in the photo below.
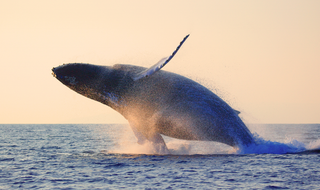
(53, 73)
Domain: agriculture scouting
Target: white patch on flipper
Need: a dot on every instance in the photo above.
(156, 67)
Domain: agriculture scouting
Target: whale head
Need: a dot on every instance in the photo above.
(78, 75)
(93, 81)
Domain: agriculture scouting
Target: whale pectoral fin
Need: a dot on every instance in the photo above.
(158, 144)
(141, 139)
(160, 64)
(156, 67)
(156, 139)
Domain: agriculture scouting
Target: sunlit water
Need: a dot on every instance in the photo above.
(107, 157)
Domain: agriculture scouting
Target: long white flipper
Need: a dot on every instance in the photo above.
(160, 64)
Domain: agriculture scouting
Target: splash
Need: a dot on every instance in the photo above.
(176, 147)
(271, 147)
(180, 147)
(281, 139)
(127, 144)
(133, 148)
(314, 145)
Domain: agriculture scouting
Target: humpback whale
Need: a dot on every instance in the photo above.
(157, 102)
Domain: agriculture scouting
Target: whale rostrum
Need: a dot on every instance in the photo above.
(157, 102)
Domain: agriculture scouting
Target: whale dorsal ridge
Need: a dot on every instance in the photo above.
(236, 111)
(156, 67)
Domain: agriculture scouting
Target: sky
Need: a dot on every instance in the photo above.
(261, 57)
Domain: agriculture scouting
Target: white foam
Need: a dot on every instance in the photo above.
(313, 145)
(175, 146)
(133, 148)
(271, 147)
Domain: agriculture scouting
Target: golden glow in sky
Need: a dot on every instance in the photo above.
(262, 57)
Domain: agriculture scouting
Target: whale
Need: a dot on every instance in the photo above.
(157, 102)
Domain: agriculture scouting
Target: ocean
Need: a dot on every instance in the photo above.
(106, 156)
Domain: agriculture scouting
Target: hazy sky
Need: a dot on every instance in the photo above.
(262, 57)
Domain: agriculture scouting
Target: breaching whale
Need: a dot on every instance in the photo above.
(157, 102)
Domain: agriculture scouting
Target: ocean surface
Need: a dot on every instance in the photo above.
(106, 156)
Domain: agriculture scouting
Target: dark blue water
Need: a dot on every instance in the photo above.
(107, 157)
